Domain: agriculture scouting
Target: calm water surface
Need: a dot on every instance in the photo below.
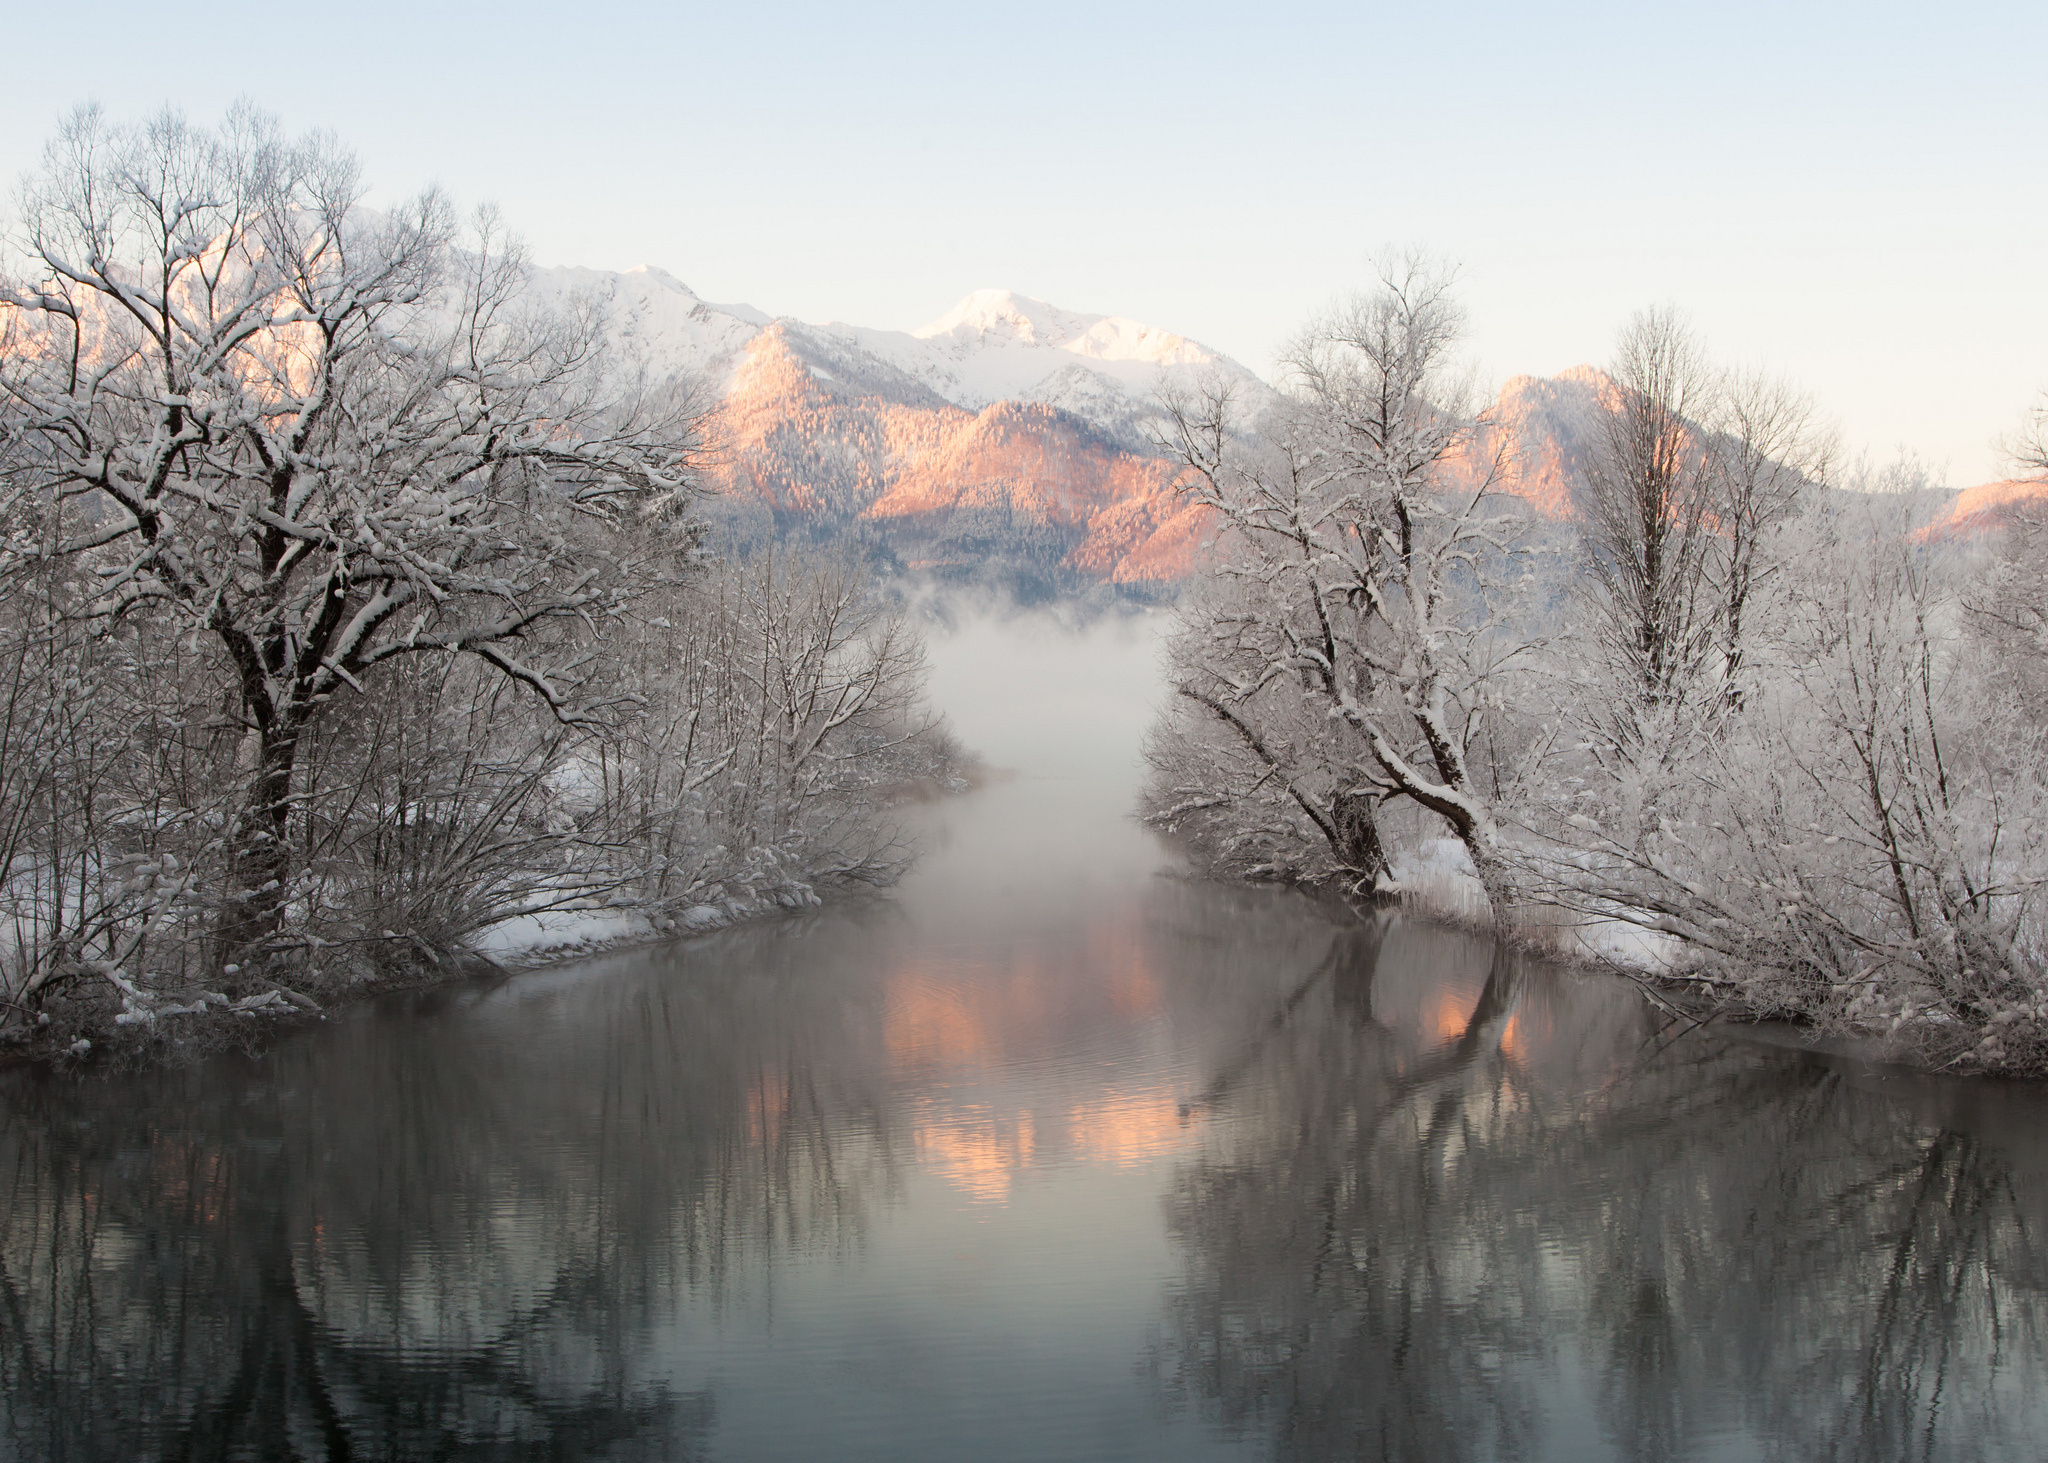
(1049, 1155)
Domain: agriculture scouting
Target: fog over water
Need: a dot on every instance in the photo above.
(1059, 712)
(1048, 1153)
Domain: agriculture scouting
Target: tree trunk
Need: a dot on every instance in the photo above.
(259, 860)
(1495, 878)
(1355, 817)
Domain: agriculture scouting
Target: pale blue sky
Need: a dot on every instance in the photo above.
(1853, 194)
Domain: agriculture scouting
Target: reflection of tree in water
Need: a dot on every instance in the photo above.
(297, 1267)
(1556, 1233)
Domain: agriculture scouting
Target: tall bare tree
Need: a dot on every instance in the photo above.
(320, 437)
(1647, 522)
(2028, 447)
(1769, 450)
(1361, 547)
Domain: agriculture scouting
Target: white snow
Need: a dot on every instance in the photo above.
(659, 319)
(527, 939)
(1437, 878)
(997, 345)
(546, 936)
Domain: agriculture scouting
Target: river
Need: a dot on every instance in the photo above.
(1049, 1153)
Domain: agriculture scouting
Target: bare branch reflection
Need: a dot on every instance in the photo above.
(1543, 1231)
(317, 1273)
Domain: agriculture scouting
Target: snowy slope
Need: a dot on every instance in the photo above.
(1006, 432)
(657, 318)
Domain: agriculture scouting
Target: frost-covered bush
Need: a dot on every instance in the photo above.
(1864, 842)
(778, 708)
(1780, 727)
(769, 712)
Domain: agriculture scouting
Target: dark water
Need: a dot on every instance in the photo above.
(1045, 1157)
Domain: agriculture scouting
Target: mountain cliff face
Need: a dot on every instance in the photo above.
(1010, 432)
(1007, 430)
(1552, 422)
(942, 486)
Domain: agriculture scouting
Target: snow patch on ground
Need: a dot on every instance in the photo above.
(1438, 879)
(530, 939)
(547, 936)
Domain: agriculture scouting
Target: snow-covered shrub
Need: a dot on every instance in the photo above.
(1864, 842)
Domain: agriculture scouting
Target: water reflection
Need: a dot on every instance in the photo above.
(545, 1219)
(1523, 1221)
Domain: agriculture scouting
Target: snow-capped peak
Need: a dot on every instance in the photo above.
(1009, 314)
(997, 317)
(655, 274)
(656, 317)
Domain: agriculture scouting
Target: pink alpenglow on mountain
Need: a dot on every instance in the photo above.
(1011, 425)
(1990, 507)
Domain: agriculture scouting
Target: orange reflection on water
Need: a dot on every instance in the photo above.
(976, 1152)
(1530, 1032)
(1121, 948)
(767, 1107)
(983, 1153)
(1448, 1016)
(983, 1027)
(1127, 1129)
(936, 1012)
(927, 1020)
(190, 1175)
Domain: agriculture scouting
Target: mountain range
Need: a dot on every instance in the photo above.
(1009, 440)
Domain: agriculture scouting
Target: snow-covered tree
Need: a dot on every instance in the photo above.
(2028, 447)
(1352, 647)
(1769, 451)
(1859, 844)
(761, 759)
(2010, 609)
(1684, 516)
(317, 437)
(1647, 522)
